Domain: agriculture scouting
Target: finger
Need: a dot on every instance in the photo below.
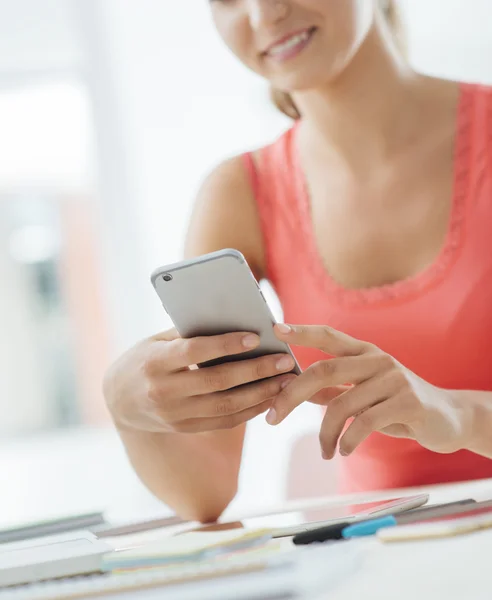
(180, 353)
(322, 337)
(229, 375)
(230, 402)
(385, 414)
(327, 373)
(326, 395)
(347, 405)
(198, 425)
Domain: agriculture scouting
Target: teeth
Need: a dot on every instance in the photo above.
(289, 44)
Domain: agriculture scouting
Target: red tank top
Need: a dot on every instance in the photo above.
(437, 323)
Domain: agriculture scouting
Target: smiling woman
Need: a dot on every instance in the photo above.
(371, 218)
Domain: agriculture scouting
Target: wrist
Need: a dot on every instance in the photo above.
(472, 416)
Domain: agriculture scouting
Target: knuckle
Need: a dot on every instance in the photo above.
(327, 331)
(224, 406)
(164, 387)
(214, 380)
(261, 369)
(387, 361)
(323, 368)
(368, 348)
(186, 349)
(157, 405)
(399, 379)
(365, 420)
(151, 366)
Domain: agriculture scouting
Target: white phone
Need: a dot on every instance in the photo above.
(349, 514)
(215, 294)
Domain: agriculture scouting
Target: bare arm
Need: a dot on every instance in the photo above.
(197, 474)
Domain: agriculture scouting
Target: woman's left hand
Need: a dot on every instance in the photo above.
(384, 396)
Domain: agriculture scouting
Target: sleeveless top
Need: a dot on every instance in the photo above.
(437, 323)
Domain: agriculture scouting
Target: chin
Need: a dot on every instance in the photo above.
(310, 77)
(302, 82)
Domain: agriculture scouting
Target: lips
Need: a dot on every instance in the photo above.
(290, 45)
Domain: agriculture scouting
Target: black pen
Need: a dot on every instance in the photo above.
(334, 532)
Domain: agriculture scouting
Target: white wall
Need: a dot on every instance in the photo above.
(450, 38)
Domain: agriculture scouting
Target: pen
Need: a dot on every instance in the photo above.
(374, 525)
(334, 532)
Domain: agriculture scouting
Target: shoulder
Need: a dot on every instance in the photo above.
(227, 211)
(225, 214)
(478, 105)
(479, 96)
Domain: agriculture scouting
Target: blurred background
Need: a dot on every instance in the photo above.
(111, 113)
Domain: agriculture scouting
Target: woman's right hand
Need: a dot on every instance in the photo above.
(155, 387)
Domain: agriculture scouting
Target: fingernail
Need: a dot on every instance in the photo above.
(284, 384)
(344, 452)
(283, 328)
(251, 341)
(271, 417)
(324, 455)
(285, 364)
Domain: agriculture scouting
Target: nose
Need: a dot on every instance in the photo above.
(267, 12)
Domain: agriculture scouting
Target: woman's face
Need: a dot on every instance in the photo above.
(295, 44)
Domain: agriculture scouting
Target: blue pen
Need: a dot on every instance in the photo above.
(369, 527)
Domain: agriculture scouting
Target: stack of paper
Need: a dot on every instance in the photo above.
(195, 546)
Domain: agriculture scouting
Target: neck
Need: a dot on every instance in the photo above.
(359, 114)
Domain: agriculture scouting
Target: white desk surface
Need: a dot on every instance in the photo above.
(450, 569)
(457, 568)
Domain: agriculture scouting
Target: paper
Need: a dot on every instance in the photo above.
(186, 547)
(435, 529)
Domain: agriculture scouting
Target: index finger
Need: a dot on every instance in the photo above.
(324, 338)
(182, 353)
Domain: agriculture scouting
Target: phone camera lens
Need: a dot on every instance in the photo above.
(167, 277)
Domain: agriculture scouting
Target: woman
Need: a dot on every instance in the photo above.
(371, 215)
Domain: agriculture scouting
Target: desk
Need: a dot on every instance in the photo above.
(451, 569)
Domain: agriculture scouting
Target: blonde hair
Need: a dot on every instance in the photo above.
(283, 100)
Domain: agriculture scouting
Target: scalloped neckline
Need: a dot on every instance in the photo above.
(414, 284)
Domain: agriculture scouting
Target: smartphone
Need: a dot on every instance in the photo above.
(371, 510)
(215, 294)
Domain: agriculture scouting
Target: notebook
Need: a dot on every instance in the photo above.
(289, 574)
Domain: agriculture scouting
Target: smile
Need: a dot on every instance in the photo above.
(290, 47)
